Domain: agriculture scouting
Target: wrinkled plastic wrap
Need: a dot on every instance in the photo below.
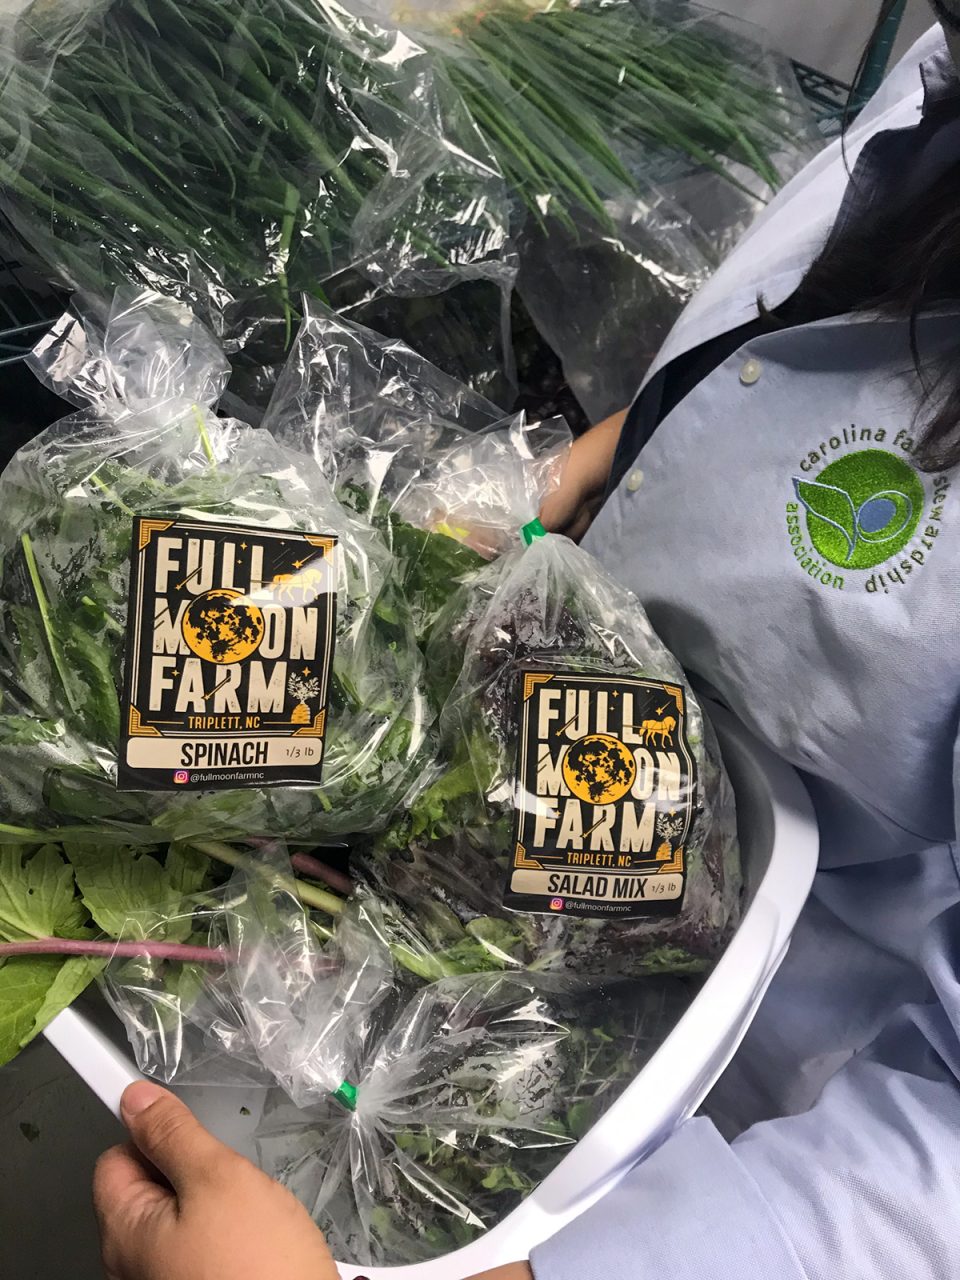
(236, 153)
(183, 1019)
(448, 480)
(353, 399)
(605, 298)
(472, 1093)
(148, 445)
(204, 1019)
(645, 789)
(386, 158)
(411, 1118)
(640, 139)
(680, 163)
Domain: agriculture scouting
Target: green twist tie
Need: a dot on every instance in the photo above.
(532, 530)
(346, 1095)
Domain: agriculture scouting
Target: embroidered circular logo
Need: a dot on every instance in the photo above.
(863, 508)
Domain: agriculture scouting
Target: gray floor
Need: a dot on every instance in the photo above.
(51, 1131)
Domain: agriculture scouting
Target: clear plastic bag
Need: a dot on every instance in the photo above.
(447, 479)
(353, 399)
(183, 1020)
(236, 1016)
(581, 819)
(473, 1093)
(415, 1116)
(605, 284)
(641, 138)
(284, 654)
(233, 154)
(604, 298)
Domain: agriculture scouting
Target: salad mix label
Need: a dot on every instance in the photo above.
(605, 797)
(230, 637)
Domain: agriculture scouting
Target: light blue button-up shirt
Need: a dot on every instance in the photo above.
(794, 557)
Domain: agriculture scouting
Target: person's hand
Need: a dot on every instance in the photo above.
(179, 1205)
(573, 504)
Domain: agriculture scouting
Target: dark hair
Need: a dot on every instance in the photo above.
(899, 263)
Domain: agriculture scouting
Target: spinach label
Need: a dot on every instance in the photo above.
(230, 634)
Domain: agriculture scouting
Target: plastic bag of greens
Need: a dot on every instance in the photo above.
(641, 137)
(578, 100)
(412, 1116)
(178, 983)
(438, 469)
(235, 153)
(582, 819)
(197, 637)
(178, 1003)
(422, 1115)
(434, 1129)
(66, 910)
(675, 188)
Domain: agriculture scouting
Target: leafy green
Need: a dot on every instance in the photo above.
(429, 566)
(33, 990)
(37, 898)
(122, 892)
(66, 505)
(118, 885)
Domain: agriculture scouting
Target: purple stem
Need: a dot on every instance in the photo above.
(121, 950)
(312, 867)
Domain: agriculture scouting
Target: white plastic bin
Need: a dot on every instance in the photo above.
(778, 839)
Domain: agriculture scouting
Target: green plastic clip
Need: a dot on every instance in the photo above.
(346, 1095)
(531, 531)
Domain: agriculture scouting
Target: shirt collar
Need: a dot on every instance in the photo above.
(939, 76)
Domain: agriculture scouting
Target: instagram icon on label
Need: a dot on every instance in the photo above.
(556, 904)
(181, 776)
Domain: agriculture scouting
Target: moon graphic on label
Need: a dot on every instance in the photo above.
(223, 626)
(599, 769)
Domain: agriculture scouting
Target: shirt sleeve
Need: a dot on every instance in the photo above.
(862, 1185)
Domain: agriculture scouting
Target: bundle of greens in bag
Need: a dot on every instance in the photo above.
(197, 637)
(471, 1093)
(581, 819)
(233, 154)
(439, 470)
(413, 1119)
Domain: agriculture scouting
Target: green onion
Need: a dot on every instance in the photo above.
(213, 147)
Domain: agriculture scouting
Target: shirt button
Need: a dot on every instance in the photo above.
(634, 481)
(750, 372)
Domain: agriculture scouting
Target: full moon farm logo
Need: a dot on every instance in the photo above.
(869, 518)
(230, 634)
(605, 796)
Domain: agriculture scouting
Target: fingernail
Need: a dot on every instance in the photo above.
(137, 1097)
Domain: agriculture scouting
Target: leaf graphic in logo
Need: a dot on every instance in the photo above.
(885, 516)
(831, 505)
